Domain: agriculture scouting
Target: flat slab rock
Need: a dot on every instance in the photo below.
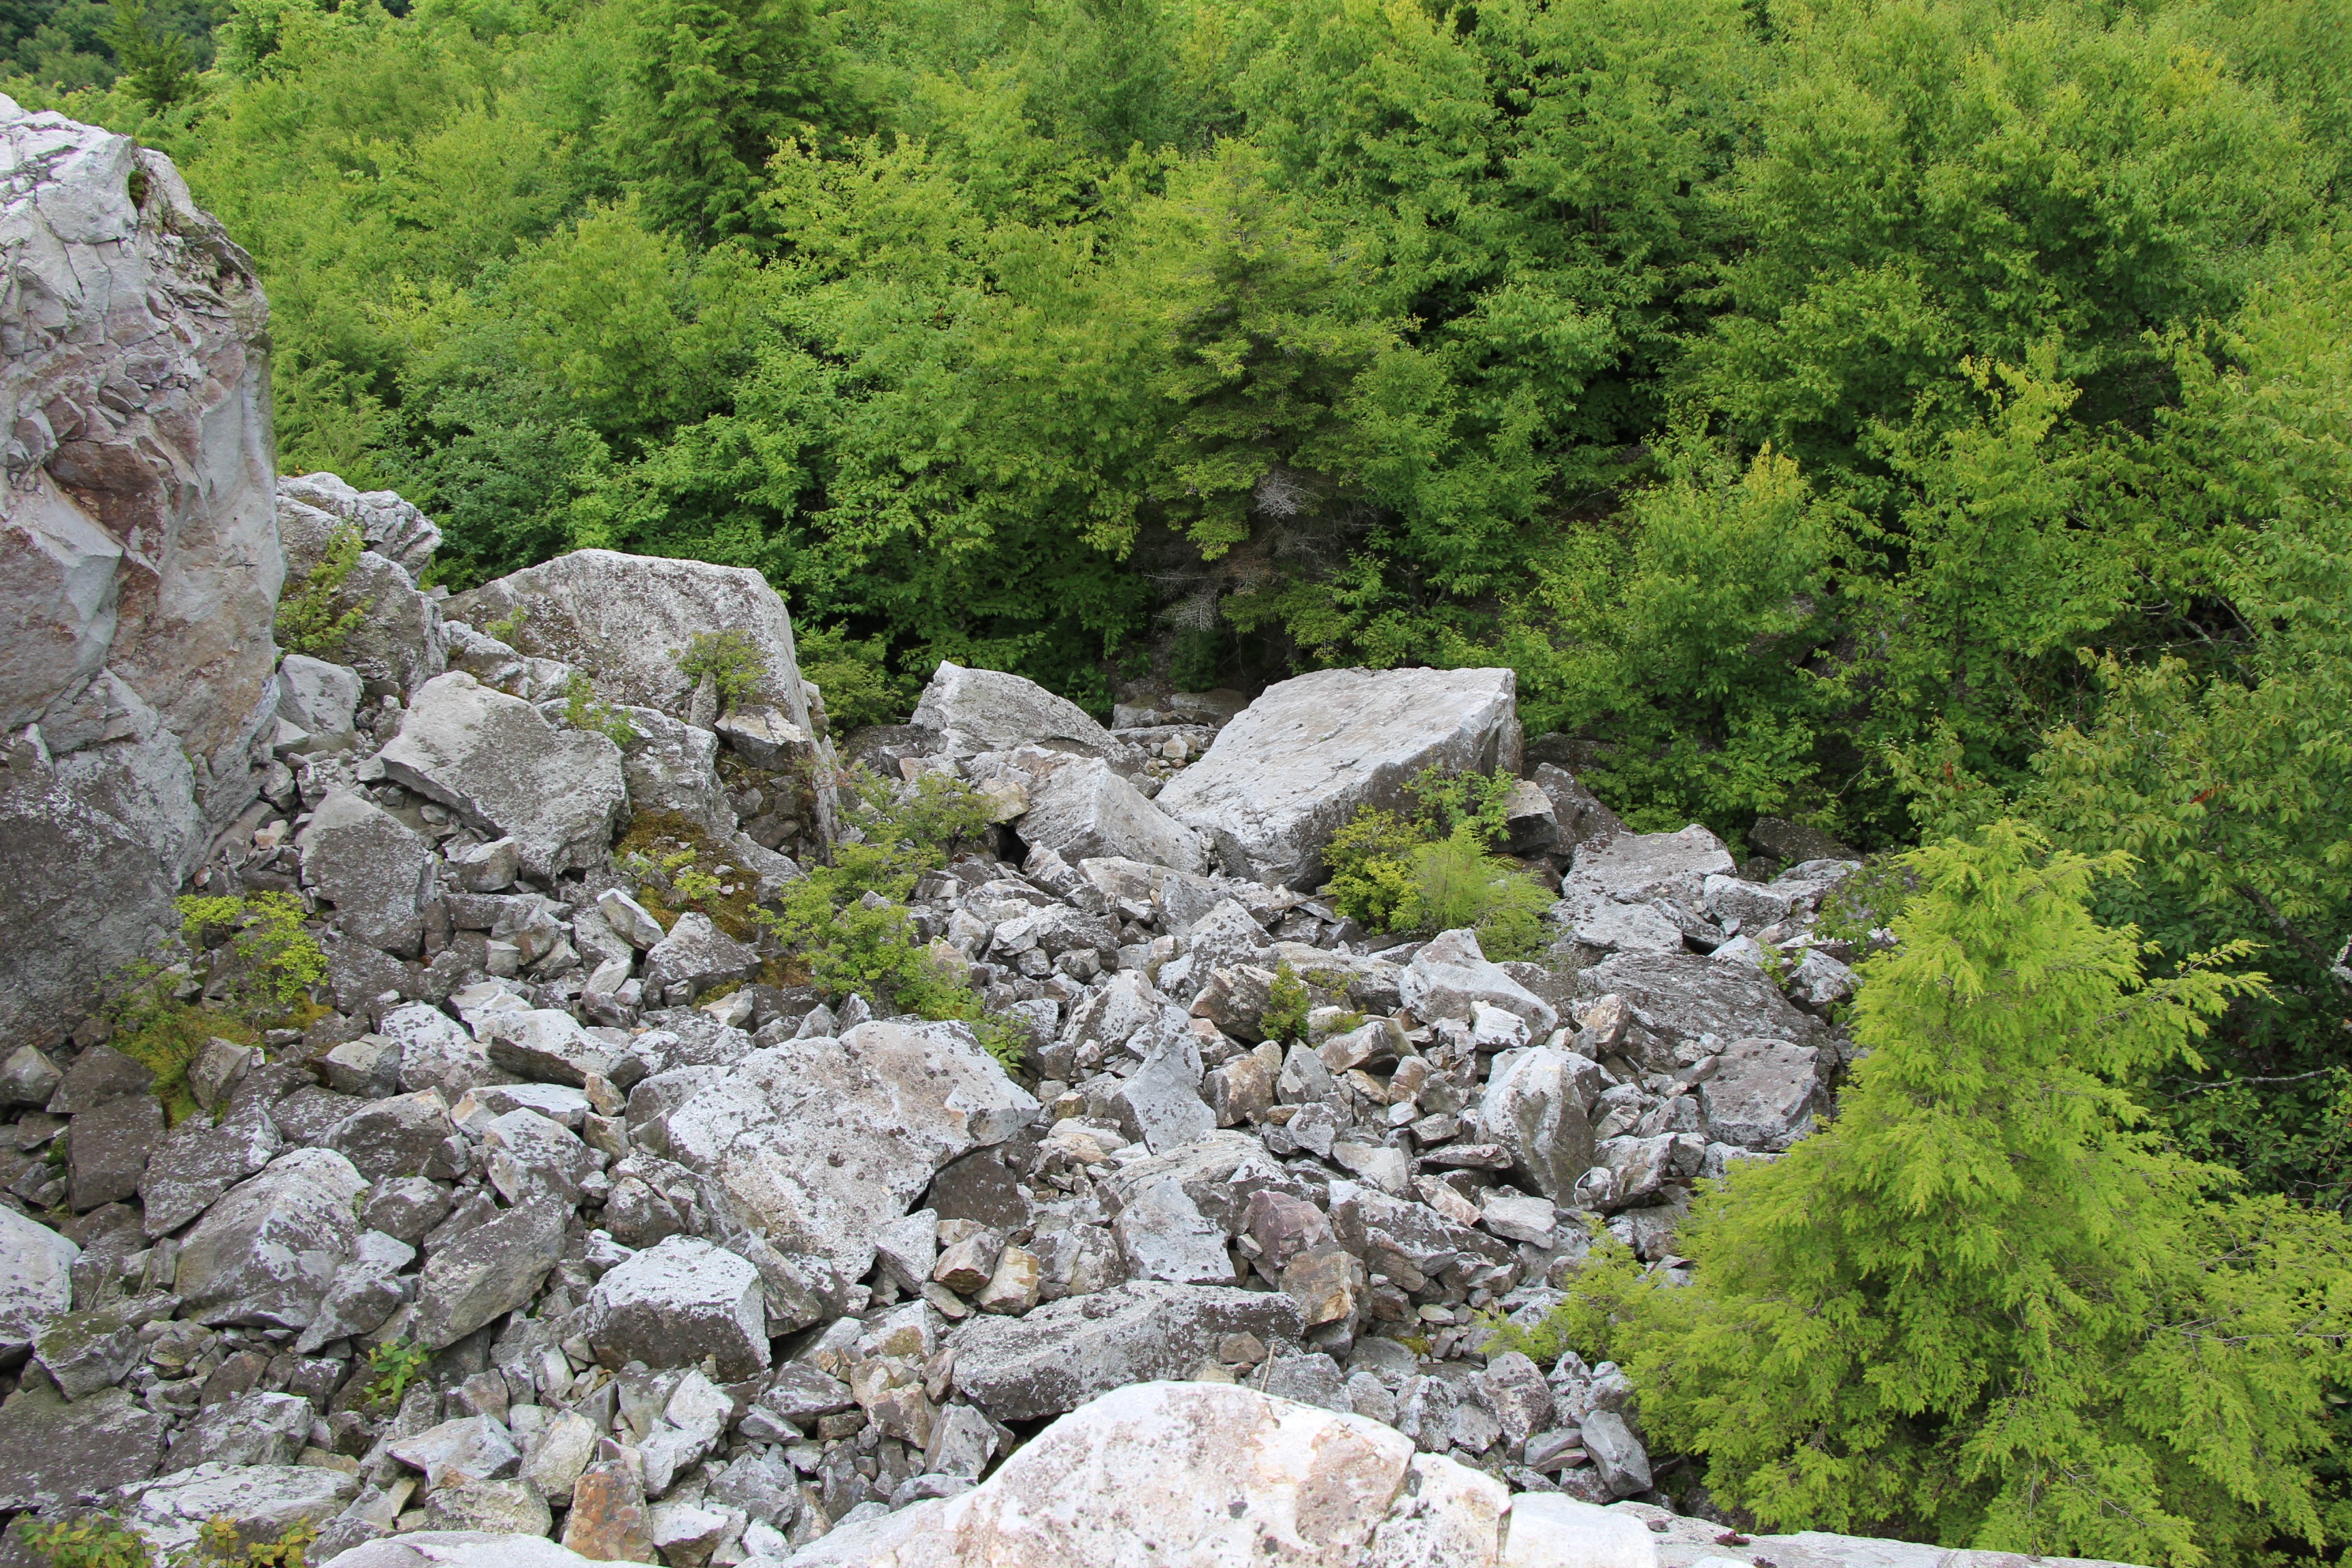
(1293, 768)
(1074, 1350)
(821, 1143)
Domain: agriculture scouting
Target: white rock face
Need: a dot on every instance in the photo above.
(978, 711)
(624, 617)
(821, 1143)
(391, 527)
(36, 1278)
(139, 559)
(1535, 1107)
(462, 1549)
(1293, 768)
(494, 761)
(1450, 976)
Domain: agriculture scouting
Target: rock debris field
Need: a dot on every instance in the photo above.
(557, 1230)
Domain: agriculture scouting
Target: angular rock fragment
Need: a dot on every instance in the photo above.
(1066, 1351)
(673, 1304)
(266, 1253)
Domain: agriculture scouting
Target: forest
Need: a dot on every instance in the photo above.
(1929, 420)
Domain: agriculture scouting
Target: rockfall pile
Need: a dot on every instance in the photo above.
(563, 1228)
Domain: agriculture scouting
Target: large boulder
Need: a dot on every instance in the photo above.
(1081, 809)
(1764, 1094)
(390, 630)
(624, 619)
(372, 866)
(1298, 761)
(1535, 1107)
(388, 525)
(819, 1142)
(977, 711)
(673, 1304)
(508, 772)
(1680, 996)
(1069, 1351)
(55, 1451)
(265, 1254)
(488, 1270)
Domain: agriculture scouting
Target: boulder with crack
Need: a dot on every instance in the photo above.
(819, 1142)
(1069, 1351)
(1301, 759)
(496, 763)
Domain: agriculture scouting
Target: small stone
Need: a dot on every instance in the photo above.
(971, 1263)
(1013, 1288)
(609, 1521)
(1518, 1218)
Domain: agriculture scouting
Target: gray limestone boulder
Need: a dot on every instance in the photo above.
(251, 1429)
(436, 1051)
(978, 711)
(818, 1143)
(372, 866)
(697, 954)
(55, 1451)
(493, 759)
(626, 618)
(1080, 808)
(319, 699)
(1298, 761)
(396, 638)
(1680, 996)
(1164, 1235)
(265, 1254)
(674, 766)
(199, 1163)
(36, 1278)
(1536, 1107)
(1069, 1351)
(1765, 1094)
(673, 1304)
(1450, 976)
(391, 527)
(108, 1150)
(490, 1269)
(404, 1135)
(261, 1502)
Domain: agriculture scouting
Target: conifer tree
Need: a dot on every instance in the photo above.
(1987, 1307)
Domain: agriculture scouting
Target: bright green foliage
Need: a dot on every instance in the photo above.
(98, 1540)
(855, 674)
(716, 85)
(274, 958)
(1287, 1006)
(845, 928)
(583, 710)
(153, 60)
(1453, 884)
(1989, 1306)
(220, 1544)
(308, 621)
(397, 1364)
(1431, 871)
(729, 658)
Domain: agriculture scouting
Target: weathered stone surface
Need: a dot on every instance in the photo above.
(108, 1149)
(371, 866)
(406, 1135)
(93, 845)
(1161, 1102)
(488, 1270)
(149, 308)
(53, 1451)
(698, 955)
(1547, 1530)
(469, 1448)
(1764, 1094)
(471, 1548)
(139, 566)
(36, 1278)
(251, 1429)
(397, 639)
(85, 1351)
(267, 1252)
(534, 1155)
(261, 1502)
(365, 1292)
(494, 761)
(1080, 808)
(388, 525)
(819, 1142)
(1680, 996)
(977, 711)
(1450, 976)
(626, 618)
(98, 1075)
(673, 766)
(198, 1162)
(555, 1458)
(1294, 766)
(436, 1051)
(28, 1077)
(673, 1304)
(503, 1508)
(1535, 1108)
(318, 698)
(607, 1522)
(1067, 1351)
(1164, 1236)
